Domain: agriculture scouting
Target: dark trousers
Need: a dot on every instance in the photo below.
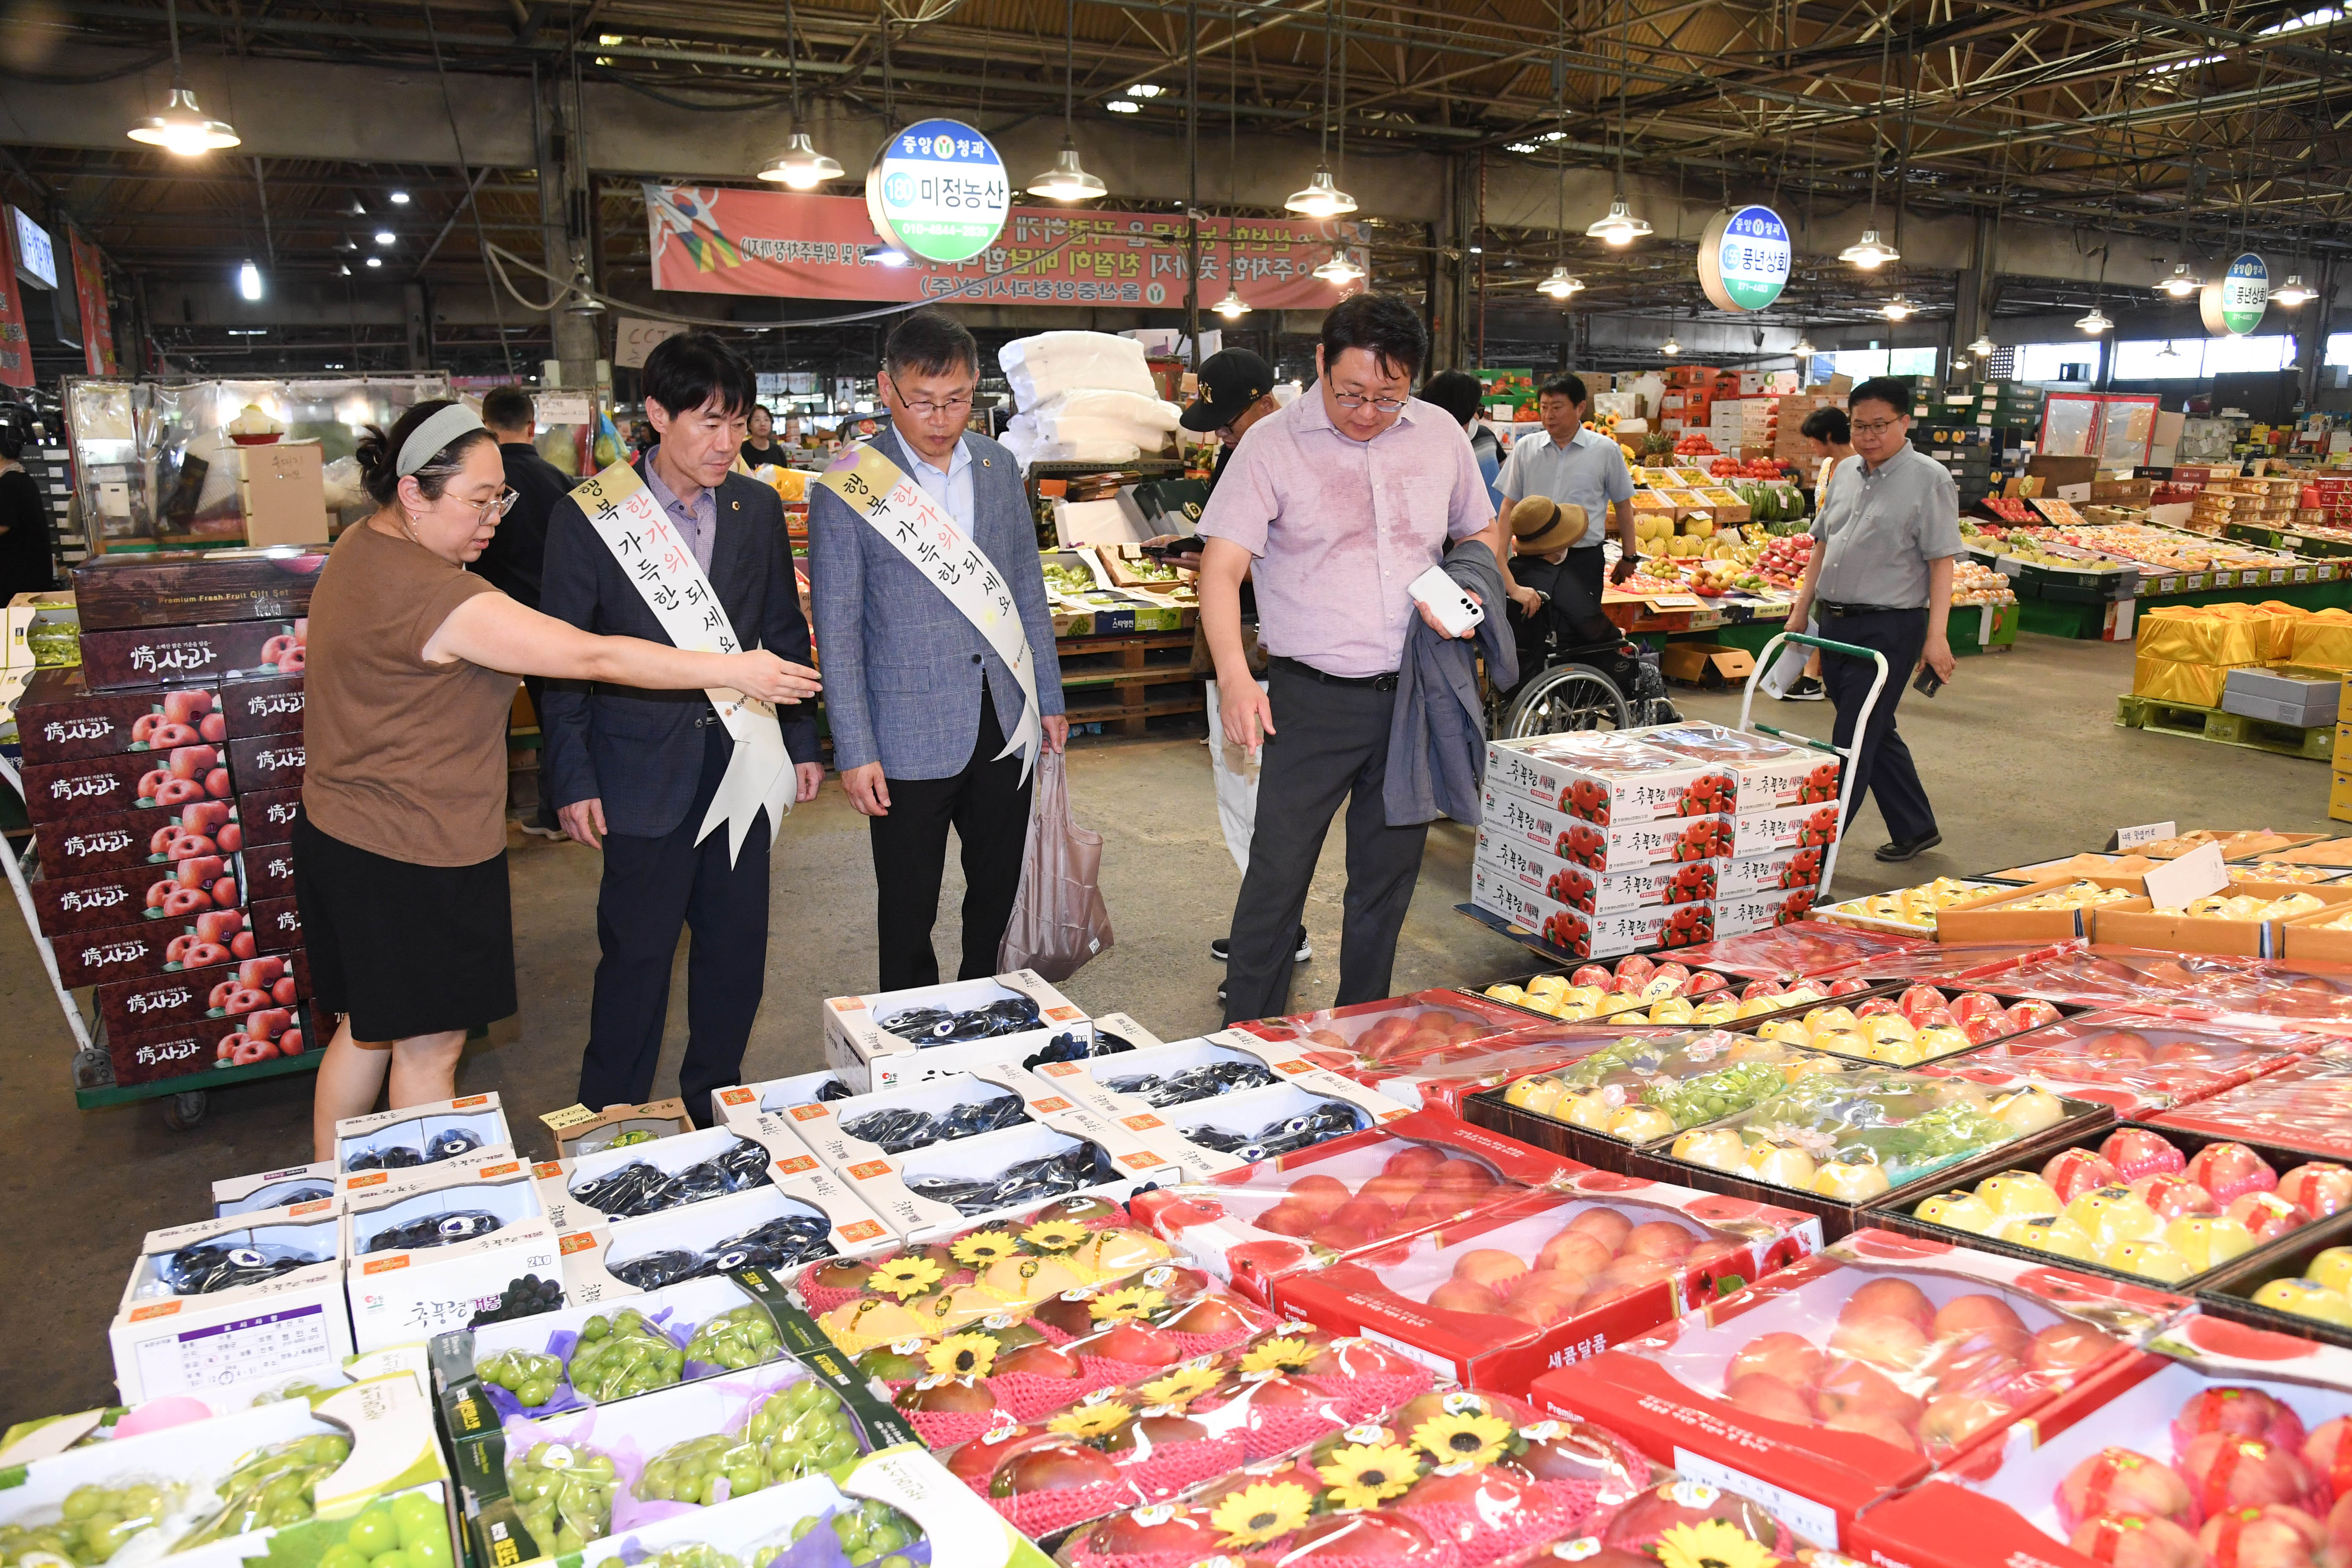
(654, 887)
(987, 805)
(1884, 766)
(536, 685)
(1332, 742)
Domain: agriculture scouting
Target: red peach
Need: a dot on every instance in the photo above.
(1953, 1418)
(2172, 1195)
(1465, 1296)
(1490, 1266)
(1606, 1226)
(2319, 1187)
(1628, 1275)
(1986, 1318)
(1890, 1298)
(1320, 1194)
(2227, 1170)
(1416, 1160)
(1882, 1341)
(2274, 1537)
(2226, 1470)
(1851, 1387)
(2120, 1481)
(1661, 1239)
(1552, 1284)
(2127, 1540)
(2071, 1172)
(1286, 1218)
(1760, 1394)
(2329, 1455)
(2068, 1347)
(1787, 1357)
(1575, 1251)
(1370, 1216)
(1462, 1176)
(1875, 1423)
(1393, 1190)
(2240, 1412)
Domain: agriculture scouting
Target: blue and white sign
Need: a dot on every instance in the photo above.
(36, 256)
(936, 191)
(2233, 303)
(1743, 258)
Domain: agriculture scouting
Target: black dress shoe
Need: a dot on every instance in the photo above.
(1906, 848)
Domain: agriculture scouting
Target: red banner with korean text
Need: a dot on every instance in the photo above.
(722, 240)
(89, 290)
(16, 349)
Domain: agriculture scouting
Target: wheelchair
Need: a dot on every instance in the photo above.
(1570, 683)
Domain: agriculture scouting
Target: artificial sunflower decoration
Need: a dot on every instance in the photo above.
(1279, 1355)
(1126, 1304)
(1712, 1544)
(961, 1355)
(1098, 1420)
(1463, 1437)
(1055, 1234)
(982, 1248)
(905, 1276)
(1257, 1513)
(1180, 1385)
(1366, 1474)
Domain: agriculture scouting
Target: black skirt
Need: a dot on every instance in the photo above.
(405, 950)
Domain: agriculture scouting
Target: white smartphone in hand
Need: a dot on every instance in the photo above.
(1446, 599)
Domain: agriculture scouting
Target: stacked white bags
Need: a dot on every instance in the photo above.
(1083, 397)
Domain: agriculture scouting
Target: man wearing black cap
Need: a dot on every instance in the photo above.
(1236, 391)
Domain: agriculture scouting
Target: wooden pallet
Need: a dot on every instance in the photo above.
(1128, 679)
(2316, 742)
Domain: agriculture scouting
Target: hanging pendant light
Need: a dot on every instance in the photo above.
(1341, 269)
(1803, 347)
(1067, 180)
(2182, 283)
(1869, 252)
(1898, 309)
(2095, 322)
(1983, 348)
(1321, 198)
(183, 130)
(1232, 307)
(1619, 227)
(800, 166)
(1561, 284)
(2293, 295)
(1672, 346)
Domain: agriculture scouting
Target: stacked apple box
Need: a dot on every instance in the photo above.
(1609, 843)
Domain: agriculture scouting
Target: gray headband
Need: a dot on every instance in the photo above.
(428, 439)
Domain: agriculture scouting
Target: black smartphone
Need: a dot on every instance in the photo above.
(1185, 545)
(1926, 682)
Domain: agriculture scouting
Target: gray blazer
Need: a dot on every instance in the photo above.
(898, 658)
(641, 751)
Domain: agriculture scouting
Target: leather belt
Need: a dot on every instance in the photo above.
(1376, 682)
(1830, 608)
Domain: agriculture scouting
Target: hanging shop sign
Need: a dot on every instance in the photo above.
(89, 289)
(2233, 303)
(1743, 258)
(937, 190)
(16, 349)
(804, 245)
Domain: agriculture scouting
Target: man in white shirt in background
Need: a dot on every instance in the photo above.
(1574, 466)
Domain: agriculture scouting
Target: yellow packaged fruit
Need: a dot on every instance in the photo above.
(1853, 1183)
(2149, 1259)
(2015, 1193)
(2333, 1269)
(1593, 1111)
(1829, 1018)
(2110, 1215)
(1958, 1211)
(1789, 1031)
(1895, 1052)
(1673, 1010)
(2050, 1233)
(2246, 907)
(2208, 1241)
(1718, 1148)
(2306, 1299)
(1756, 1007)
(1784, 1164)
(1716, 1012)
(1538, 1094)
(2028, 1110)
(1511, 993)
(1641, 1124)
(1548, 984)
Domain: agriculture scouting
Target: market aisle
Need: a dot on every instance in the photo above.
(2020, 753)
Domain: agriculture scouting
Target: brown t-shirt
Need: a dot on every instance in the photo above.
(408, 759)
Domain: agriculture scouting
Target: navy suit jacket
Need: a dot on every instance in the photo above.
(641, 751)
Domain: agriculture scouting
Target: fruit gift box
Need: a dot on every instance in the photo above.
(173, 588)
(1768, 774)
(420, 1135)
(1375, 1034)
(1639, 989)
(2146, 1063)
(280, 1188)
(1806, 949)
(1639, 1092)
(580, 1132)
(935, 1190)
(165, 945)
(1566, 874)
(1452, 1479)
(1834, 1144)
(1546, 1278)
(1364, 1192)
(156, 781)
(744, 1102)
(2227, 1447)
(845, 1134)
(1920, 1024)
(1446, 1079)
(60, 720)
(283, 1480)
(1569, 933)
(887, 1039)
(1229, 1131)
(209, 1045)
(1512, 826)
(1606, 778)
(431, 1250)
(1846, 1376)
(1685, 1521)
(192, 655)
(2220, 988)
(159, 838)
(131, 895)
(2163, 1208)
(2305, 1105)
(800, 1215)
(227, 1300)
(638, 1179)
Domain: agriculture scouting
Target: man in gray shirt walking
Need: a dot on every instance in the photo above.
(1881, 577)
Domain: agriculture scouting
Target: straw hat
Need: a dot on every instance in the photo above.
(1540, 525)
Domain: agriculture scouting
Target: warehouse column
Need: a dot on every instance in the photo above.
(564, 210)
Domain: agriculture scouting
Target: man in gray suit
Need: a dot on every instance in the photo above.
(920, 702)
(634, 772)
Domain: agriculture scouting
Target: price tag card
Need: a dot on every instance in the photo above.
(2192, 875)
(569, 1117)
(2147, 833)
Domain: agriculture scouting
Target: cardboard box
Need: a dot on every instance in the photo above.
(748, 1101)
(151, 947)
(1993, 916)
(568, 1187)
(1757, 832)
(1591, 892)
(1228, 1132)
(1579, 935)
(1665, 1391)
(166, 1343)
(269, 871)
(2123, 926)
(176, 893)
(868, 1057)
(1003, 1091)
(268, 814)
(183, 587)
(21, 614)
(1114, 1162)
(2303, 698)
(597, 1264)
(1387, 1298)
(1737, 914)
(1508, 817)
(60, 720)
(192, 655)
(1706, 664)
(1147, 1078)
(276, 924)
(265, 707)
(400, 1293)
(177, 1049)
(1608, 778)
(580, 1132)
(156, 838)
(276, 1189)
(1771, 775)
(386, 1142)
(229, 990)
(268, 762)
(1782, 870)
(283, 494)
(130, 780)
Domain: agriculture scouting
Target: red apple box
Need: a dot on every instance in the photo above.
(277, 925)
(269, 871)
(1443, 1079)
(175, 587)
(175, 894)
(1999, 1500)
(247, 985)
(155, 839)
(60, 720)
(1805, 948)
(263, 707)
(1540, 1279)
(1370, 1033)
(1847, 1377)
(152, 947)
(270, 814)
(1360, 1194)
(268, 762)
(205, 1044)
(158, 782)
(2148, 1062)
(190, 656)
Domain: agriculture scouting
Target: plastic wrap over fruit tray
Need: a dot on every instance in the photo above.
(1639, 1091)
(1640, 989)
(2142, 1062)
(2305, 1105)
(572, 1356)
(1370, 1033)
(2211, 987)
(1799, 949)
(1449, 1478)
(1443, 1079)
(1923, 1024)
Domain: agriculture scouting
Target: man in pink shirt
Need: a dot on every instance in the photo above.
(1341, 500)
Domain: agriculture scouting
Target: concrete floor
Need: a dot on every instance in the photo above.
(2021, 754)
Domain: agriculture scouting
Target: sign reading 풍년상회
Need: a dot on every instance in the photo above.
(1743, 258)
(938, 191)
(2233, 303)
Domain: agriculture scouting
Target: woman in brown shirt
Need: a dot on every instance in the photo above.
(400, 850)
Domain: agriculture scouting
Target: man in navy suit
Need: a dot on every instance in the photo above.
(920, 702)
(636, 771)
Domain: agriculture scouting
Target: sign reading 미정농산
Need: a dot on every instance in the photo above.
(938, 191)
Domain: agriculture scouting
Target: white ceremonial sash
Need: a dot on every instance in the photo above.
(919, 529)
(662, 567)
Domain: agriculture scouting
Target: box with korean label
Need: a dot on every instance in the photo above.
(233, 1299)
(429, 1252)
(886, 1039)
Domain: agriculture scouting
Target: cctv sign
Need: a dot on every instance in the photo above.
(938, 192)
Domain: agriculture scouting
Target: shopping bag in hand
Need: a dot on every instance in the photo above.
(1059, 919)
